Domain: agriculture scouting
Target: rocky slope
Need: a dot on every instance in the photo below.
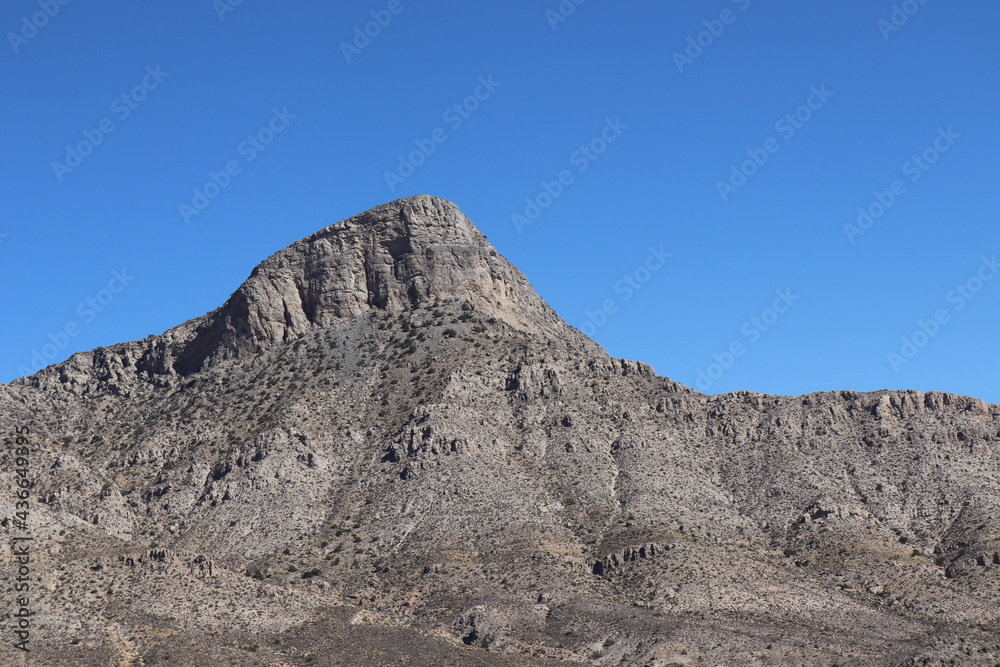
(385, 448)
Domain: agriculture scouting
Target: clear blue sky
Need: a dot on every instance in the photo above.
(199, 81)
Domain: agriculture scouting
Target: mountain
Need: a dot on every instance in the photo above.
(385, 448)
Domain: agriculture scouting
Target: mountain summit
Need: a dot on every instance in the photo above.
(385, 448)
(395, 257)
(391, 258)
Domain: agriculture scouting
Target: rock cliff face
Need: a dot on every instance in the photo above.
(385, 447)
(391, 258)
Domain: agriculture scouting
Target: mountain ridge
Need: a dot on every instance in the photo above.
(309, 283)
(387, 445)
(179, 350)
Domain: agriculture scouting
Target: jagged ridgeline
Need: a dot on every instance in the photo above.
(385, 448)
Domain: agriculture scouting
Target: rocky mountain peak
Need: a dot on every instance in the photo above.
(385, 444)
(391, 258)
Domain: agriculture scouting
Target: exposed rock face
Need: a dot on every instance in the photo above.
(391, 258)
(386, 447)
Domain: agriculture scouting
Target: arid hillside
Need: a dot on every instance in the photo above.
(386, 449)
